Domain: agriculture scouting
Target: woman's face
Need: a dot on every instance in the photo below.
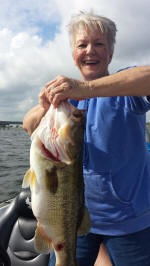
(91, 53)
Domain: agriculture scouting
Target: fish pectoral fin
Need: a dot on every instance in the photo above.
(41, 242)
(27, 179)
(85, 224)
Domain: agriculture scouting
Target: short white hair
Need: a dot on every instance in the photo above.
(92, 21)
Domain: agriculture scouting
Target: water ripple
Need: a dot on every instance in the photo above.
(14, 161)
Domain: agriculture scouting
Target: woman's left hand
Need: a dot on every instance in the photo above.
(62, 88)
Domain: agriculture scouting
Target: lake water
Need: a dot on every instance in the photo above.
(14, 161)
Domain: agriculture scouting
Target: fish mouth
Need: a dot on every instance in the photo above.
(46, 153)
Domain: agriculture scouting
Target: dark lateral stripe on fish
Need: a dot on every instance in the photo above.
(52, 180)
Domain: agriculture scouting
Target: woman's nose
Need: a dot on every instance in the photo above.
(90, 49)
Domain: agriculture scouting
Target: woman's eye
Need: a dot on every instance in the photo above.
(82, 45)
(99, 44)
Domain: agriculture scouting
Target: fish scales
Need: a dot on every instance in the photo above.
(57, 193)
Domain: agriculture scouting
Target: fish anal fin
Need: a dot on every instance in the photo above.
(41, 242)
(27, 179)
(52, 180)
(85, 224)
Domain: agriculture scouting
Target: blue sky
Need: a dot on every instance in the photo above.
(34, 46)
(48, 31)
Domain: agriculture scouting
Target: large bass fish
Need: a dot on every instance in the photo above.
(56, 182)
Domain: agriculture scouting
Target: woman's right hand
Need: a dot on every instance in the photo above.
(62, 88)
(44, 99)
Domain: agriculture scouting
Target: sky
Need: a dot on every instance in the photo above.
(34, 45)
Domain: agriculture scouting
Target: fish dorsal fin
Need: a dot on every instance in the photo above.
(85, 224)
(41, 241)
(27, 179)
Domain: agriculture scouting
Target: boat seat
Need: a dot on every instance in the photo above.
(4, 258)
(17, 227)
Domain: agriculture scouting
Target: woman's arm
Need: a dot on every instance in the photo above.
(131, 82)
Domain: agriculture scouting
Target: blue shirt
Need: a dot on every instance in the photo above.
(116, 164)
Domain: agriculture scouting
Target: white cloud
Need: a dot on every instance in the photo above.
(28, 13)
(22, 105)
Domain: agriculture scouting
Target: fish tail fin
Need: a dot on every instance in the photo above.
(27, 179)
(85, 224)
(41, 242)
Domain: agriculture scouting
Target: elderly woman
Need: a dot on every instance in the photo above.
(116, 163)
